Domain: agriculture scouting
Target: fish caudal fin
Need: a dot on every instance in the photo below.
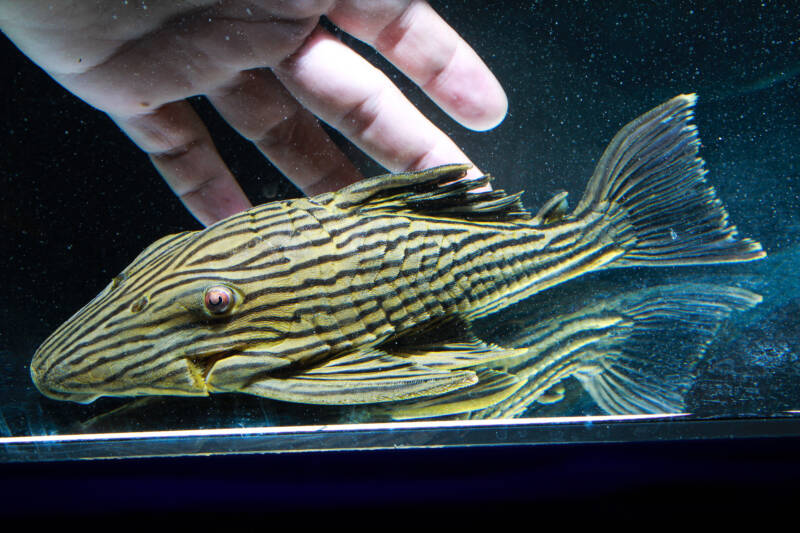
(650, 185)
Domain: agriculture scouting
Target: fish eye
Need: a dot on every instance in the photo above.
(218, 300)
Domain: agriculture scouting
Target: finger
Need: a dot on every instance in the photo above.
(357, 99)
(260, 108)
(419, 42)
(181, 149)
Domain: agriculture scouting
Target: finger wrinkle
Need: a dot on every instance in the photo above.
(167, 20)
(419, 55)
(176, 151)
(282, 133)
(232, 85)
(440, 74)
(422, 161)
(291, 62)
(196, 188)
(298, 9)
(394, 30)
(321, 183)
(357, 121)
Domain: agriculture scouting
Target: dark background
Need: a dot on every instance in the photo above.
(80, 201)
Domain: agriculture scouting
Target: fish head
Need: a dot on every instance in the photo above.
(156, 329)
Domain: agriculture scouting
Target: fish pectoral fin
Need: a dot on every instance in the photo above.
(492, 387)
(460, 355)
(233, 372)
(361, 377)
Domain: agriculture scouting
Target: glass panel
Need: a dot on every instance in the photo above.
(408, 311)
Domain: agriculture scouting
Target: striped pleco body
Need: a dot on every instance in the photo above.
(323, 289)
(317, 282)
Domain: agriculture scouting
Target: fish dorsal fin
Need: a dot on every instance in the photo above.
(554, 210)
(444, 191)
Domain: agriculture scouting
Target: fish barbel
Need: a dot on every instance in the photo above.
(366, 295)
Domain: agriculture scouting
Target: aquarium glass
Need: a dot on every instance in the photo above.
(656, 350)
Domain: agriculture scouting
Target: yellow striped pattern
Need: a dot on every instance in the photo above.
(314, 280)
(322, 287)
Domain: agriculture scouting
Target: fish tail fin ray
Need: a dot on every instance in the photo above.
(650, 185)
(634, 353)
(631, 373)
(492, 387)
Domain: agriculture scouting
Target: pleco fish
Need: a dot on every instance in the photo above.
(366, 295)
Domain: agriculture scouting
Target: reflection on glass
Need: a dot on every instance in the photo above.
(634, 353)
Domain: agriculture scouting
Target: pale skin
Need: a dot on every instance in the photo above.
(272, 72)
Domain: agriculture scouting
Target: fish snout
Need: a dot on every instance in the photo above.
(55, 383)
(82, 377)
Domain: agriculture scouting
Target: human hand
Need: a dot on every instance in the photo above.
(268, 68)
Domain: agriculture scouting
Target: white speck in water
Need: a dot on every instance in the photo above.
(249, 12)
(227, 37)
(672, 234)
